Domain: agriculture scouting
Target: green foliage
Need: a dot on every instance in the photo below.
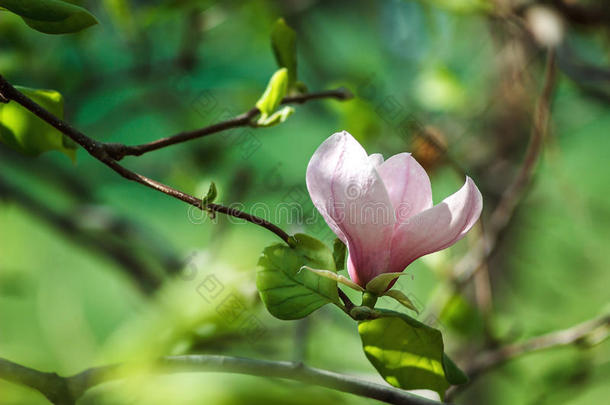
(272, 98)
(51, 16)
(277, 117)
(453, 373)
(402, 299)
(284, 44)
(23, 131)
(288, 292)
(407, 353)
(379, 284)
(274, 93)
(211, 195)
(556, 242)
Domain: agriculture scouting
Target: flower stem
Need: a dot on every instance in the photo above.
(369, 299)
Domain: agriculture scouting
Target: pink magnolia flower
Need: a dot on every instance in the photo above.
(383, 211)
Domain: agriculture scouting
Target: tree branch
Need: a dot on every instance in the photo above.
(349, 305)
(98, 151)
(476, 257)
(51, 385)
(491, 359)
(118, 151)
(575, 334)
(66, 390)
(503, 213)
(587, 15)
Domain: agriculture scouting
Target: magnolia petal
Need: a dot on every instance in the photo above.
(347, 190)
(402, 299)
(376, 159)
(408, 186)
(379, 284)
(438, 227)
(334, 276)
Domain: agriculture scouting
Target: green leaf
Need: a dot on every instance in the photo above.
(51, 16)
(273, 95)
(289, 293)
(276, 118)
(284, 44)
(407, 353)
(23, 131)
(402, 299)
(339, 252)
(210, 196)
(453, 373)
(379, 284)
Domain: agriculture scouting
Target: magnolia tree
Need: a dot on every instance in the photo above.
(380, 210)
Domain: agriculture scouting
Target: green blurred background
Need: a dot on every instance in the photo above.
(71, 234)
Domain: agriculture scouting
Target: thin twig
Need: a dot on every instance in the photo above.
(503, 213)
(492, 359)
(72, 388)
(349, 305)
(476, 257)
(118, 151)
(575, 334)
(51, 385)
(98, 151)
(338, 94)
(587, 15)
